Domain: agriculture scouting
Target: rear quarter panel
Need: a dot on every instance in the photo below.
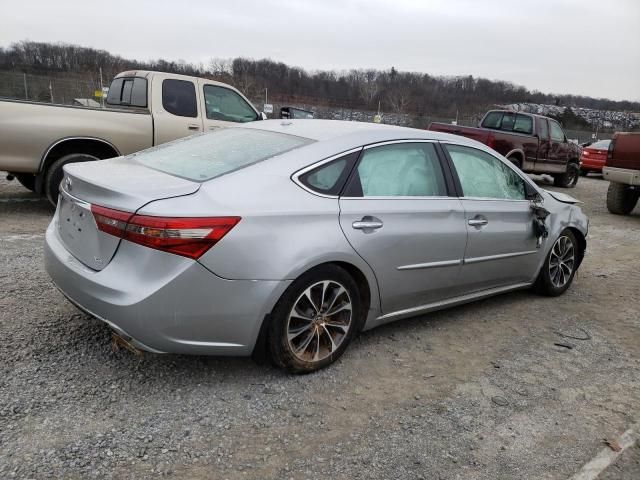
(30, 129)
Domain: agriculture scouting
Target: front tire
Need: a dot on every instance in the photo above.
(315, 320)
(621, 200)
(569, 178)
(55, 173)
(560, 266)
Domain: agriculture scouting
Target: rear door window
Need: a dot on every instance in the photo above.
(398, 170)
(557, 134)
(543, 129)
(179, 98)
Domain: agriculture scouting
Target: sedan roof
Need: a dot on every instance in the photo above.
(322, 130)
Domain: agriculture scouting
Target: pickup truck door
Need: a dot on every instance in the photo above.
(222, 106)
(175, 108)
(501, 243)
(559, 148)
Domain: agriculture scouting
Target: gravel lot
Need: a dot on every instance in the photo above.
(476, 392)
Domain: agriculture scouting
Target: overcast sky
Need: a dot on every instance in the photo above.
(587, 47)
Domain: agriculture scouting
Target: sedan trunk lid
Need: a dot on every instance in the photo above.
(119, 184)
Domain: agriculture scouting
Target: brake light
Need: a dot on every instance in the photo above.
(491, 140)
(187, 236)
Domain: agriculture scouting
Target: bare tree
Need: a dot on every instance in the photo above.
(399, 98)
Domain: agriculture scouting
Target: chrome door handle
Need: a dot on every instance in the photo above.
(366, 224)
(478, 222)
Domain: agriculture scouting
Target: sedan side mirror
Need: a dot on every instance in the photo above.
(530, 193)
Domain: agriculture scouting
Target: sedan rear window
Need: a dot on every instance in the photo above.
(209, 155)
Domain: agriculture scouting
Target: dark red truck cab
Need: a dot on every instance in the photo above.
(534, 143)
(623, 172)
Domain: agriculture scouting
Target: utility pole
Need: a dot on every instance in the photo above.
(51, 91)
(101, 90)
(26, 93)
(265, 96)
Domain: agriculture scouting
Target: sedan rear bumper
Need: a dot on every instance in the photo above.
(165, 303)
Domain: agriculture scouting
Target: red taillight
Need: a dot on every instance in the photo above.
(187, 236)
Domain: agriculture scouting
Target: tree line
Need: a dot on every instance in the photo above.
(393, 90)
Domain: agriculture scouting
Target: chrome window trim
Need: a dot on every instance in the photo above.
(393, 142)
(440, 197)
(295, 175)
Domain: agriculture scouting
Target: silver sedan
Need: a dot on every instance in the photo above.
(290, 237)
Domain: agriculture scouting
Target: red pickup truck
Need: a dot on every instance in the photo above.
(534, 143)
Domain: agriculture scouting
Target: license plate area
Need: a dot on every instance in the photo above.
(80, 235)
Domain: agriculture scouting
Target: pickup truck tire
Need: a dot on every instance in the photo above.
(54, 174)
(27, 180)
(569, 178)
(559, 266)
(621, 200)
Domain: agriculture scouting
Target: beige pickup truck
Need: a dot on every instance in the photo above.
(142, 109)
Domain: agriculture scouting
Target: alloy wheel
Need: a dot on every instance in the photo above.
(319, 321)
(561, 261)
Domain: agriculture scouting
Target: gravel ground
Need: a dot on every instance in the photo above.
(475, 392)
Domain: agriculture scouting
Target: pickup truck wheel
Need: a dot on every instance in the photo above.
(569, 178)
(54, 174)
(621, 200)
(27, 180)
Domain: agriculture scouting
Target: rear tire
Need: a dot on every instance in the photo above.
(569, 178)
(621, 200)
(560, 266)
(55, 173)
(27, 180)
(304, 335)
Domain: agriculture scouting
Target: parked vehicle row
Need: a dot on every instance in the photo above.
(291, 237)
(145, 109)
(535, 144)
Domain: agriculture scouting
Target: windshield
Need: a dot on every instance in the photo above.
(209, 155)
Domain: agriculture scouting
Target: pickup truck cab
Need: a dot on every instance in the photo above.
(622, 169)
(534, 143)
(143, 109)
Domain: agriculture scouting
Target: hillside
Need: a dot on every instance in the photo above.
(74, 71)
